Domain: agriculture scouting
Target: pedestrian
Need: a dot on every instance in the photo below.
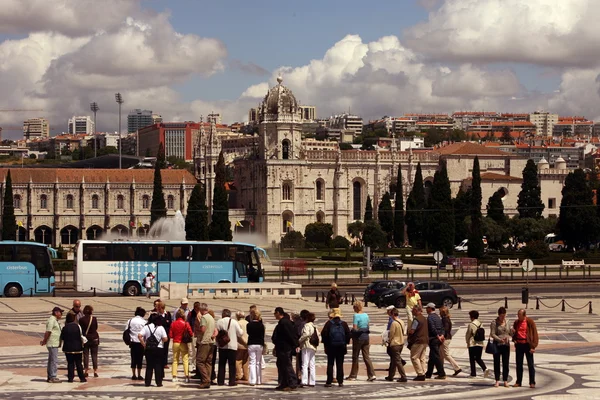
(136, 350)
(213, 375)
(360, 343)
(76, 310)
(153, 338)
(334, 297)
(308, 351)
(89, 326)
(205, 340)
(285, 340)
(396, 343)
(148, 283)
(71, 338)
(241, 359)
(183, 305)
(228, 351)
(179, 329)
(436, 338)
(526, 340)
(501, 332)
(475, 344)
(52, 342)
(418, 339)
(256, 343)
(336, 336)
(445, 348)
(166, 324)
(299, 322)
(413, 298)
(191, 319)
(250, 309)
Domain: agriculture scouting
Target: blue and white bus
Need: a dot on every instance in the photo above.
(26, 267)
(120, 266)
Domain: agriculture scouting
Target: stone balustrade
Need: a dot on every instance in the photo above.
(199, 291)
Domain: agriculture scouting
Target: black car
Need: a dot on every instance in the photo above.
(387, 264)
(439, 293)
(377, 288)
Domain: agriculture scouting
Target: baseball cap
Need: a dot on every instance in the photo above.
(390, 308)
(55, 309)
(430, 305)
(184, 300)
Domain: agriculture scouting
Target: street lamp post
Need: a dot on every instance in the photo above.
(94, 108)
(119, 99)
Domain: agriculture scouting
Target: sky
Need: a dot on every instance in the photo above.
(185, 58)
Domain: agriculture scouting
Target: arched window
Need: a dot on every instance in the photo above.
(95, 201)
(357, 201)
(285, 149)
(146, 202)
(320, 189)
(69, 202)
(120, 202)
(170, 202)
(288, 221)
(17, 201)
(286, 191)
(44, 202)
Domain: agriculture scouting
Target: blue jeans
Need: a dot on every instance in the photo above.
(52, 362)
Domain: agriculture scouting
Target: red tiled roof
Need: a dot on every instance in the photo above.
(469, 148)
(491, 176)
(67, 175)
(504, 123)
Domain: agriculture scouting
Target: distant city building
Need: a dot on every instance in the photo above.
(81, 125)
(544, 122)
(309, 113)
(350, 122)
(138, 119)
(573, 126)
(253, 116)
(214, 117)
(36, 128)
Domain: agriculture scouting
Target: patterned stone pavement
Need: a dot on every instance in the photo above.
(567, 360)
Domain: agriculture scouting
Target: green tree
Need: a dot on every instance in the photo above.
(196, 220)
(9, 222)
(373, 236)
(368, 210)
(506, 138)
(578, 220)
(527, 229)
(440, 219)
(495, 207)
(355, 230)
(475, 249)
(462, 207)
(318, 234)
(158, 207)
(399, 211)
(220, 227)
(415, 206)
(496, 233)
(385, 216)
(340, 242)
(530, 203)
(292, 240)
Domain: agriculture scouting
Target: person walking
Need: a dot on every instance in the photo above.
(336, 336)
(205, 339)
(136, 350)
(52, 341)
(241, 358)
(475, 345)
(89, 326)
(153, 338)
(308, 351)
(256, 343)
(445, 347)
(148, 283)
(70, 336)
(526, 340)
(500, 332)
(360, 343)
(436, 338)
(396, 344)
(285, 340)
(413, 298)
(178, 332)
(418, 339)
(334, 298)
(228, 351)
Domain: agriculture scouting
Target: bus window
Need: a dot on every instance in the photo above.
(41, 259)
(200, 252)
(240, 268)
(157, 253)
(215, 252)
(95, 252)
(180, 253)
(6, 252)
(123, 252)
(23, 253)
(232, 254)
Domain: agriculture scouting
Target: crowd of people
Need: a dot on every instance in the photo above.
(237, 343)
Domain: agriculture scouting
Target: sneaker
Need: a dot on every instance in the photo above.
(372, 379)
(402, 380)
(387, 378)
(54, 380)
(139, 378)
(175, 379)
(83, 380)
(134, 378)
(350, 379)
(442, 377)
(486, 373)
(458, 371)
(95, 374)
(419, 378)
(187, 379)
(328, 385)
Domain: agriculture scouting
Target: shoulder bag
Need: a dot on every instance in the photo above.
(93, 342)
(223, 336)
(127, 334)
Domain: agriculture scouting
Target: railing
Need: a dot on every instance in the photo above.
(572, 263)
(171, 290)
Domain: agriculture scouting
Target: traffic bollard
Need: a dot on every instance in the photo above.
(590, 311)
(506, 302)
(316, 297)
(353, 299)
(537, 303)
(563, 305)
(346, 298)
(94, 292)
(459, 303)
(322, 297)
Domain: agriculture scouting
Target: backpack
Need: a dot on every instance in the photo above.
(479, 334)
(127, 334)
(152, 341)
(337, 335)
(314, 338)
(223, 336)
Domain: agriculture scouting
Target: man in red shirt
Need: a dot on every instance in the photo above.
(526, 340)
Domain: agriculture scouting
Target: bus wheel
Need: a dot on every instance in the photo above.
(132, 289)
(13, 290)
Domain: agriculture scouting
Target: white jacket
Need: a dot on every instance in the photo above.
(307, 332)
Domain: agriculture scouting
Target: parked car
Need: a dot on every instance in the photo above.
(439, 293)
(377, 288)
(387, 264)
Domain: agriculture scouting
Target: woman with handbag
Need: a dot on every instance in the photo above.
(445, 347)
(89, 326)
(500, 334)
(181, 334)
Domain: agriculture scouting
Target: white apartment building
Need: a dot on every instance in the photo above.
(81, 125)
(309, 113)
(544, 122)
(350, 122)
(36, 128)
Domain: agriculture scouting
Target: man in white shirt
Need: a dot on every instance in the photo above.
(228, 351)
(183, 306)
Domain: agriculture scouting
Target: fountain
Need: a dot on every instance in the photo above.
(168, 228)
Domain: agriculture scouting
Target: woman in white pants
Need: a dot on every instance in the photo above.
(308, 352)
(256, 342)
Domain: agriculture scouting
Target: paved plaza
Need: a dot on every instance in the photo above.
(567, 359)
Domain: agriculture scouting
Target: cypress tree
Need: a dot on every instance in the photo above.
(196, 220)
(220, 227)
(9, 223)
(462, 207)
(440, 221)
(385, 216)
(415, 204)
(158, 208)
(578, 221)
(368, 210)
(530, 203)
(495, 207)
(399, 212)
(476, 249)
